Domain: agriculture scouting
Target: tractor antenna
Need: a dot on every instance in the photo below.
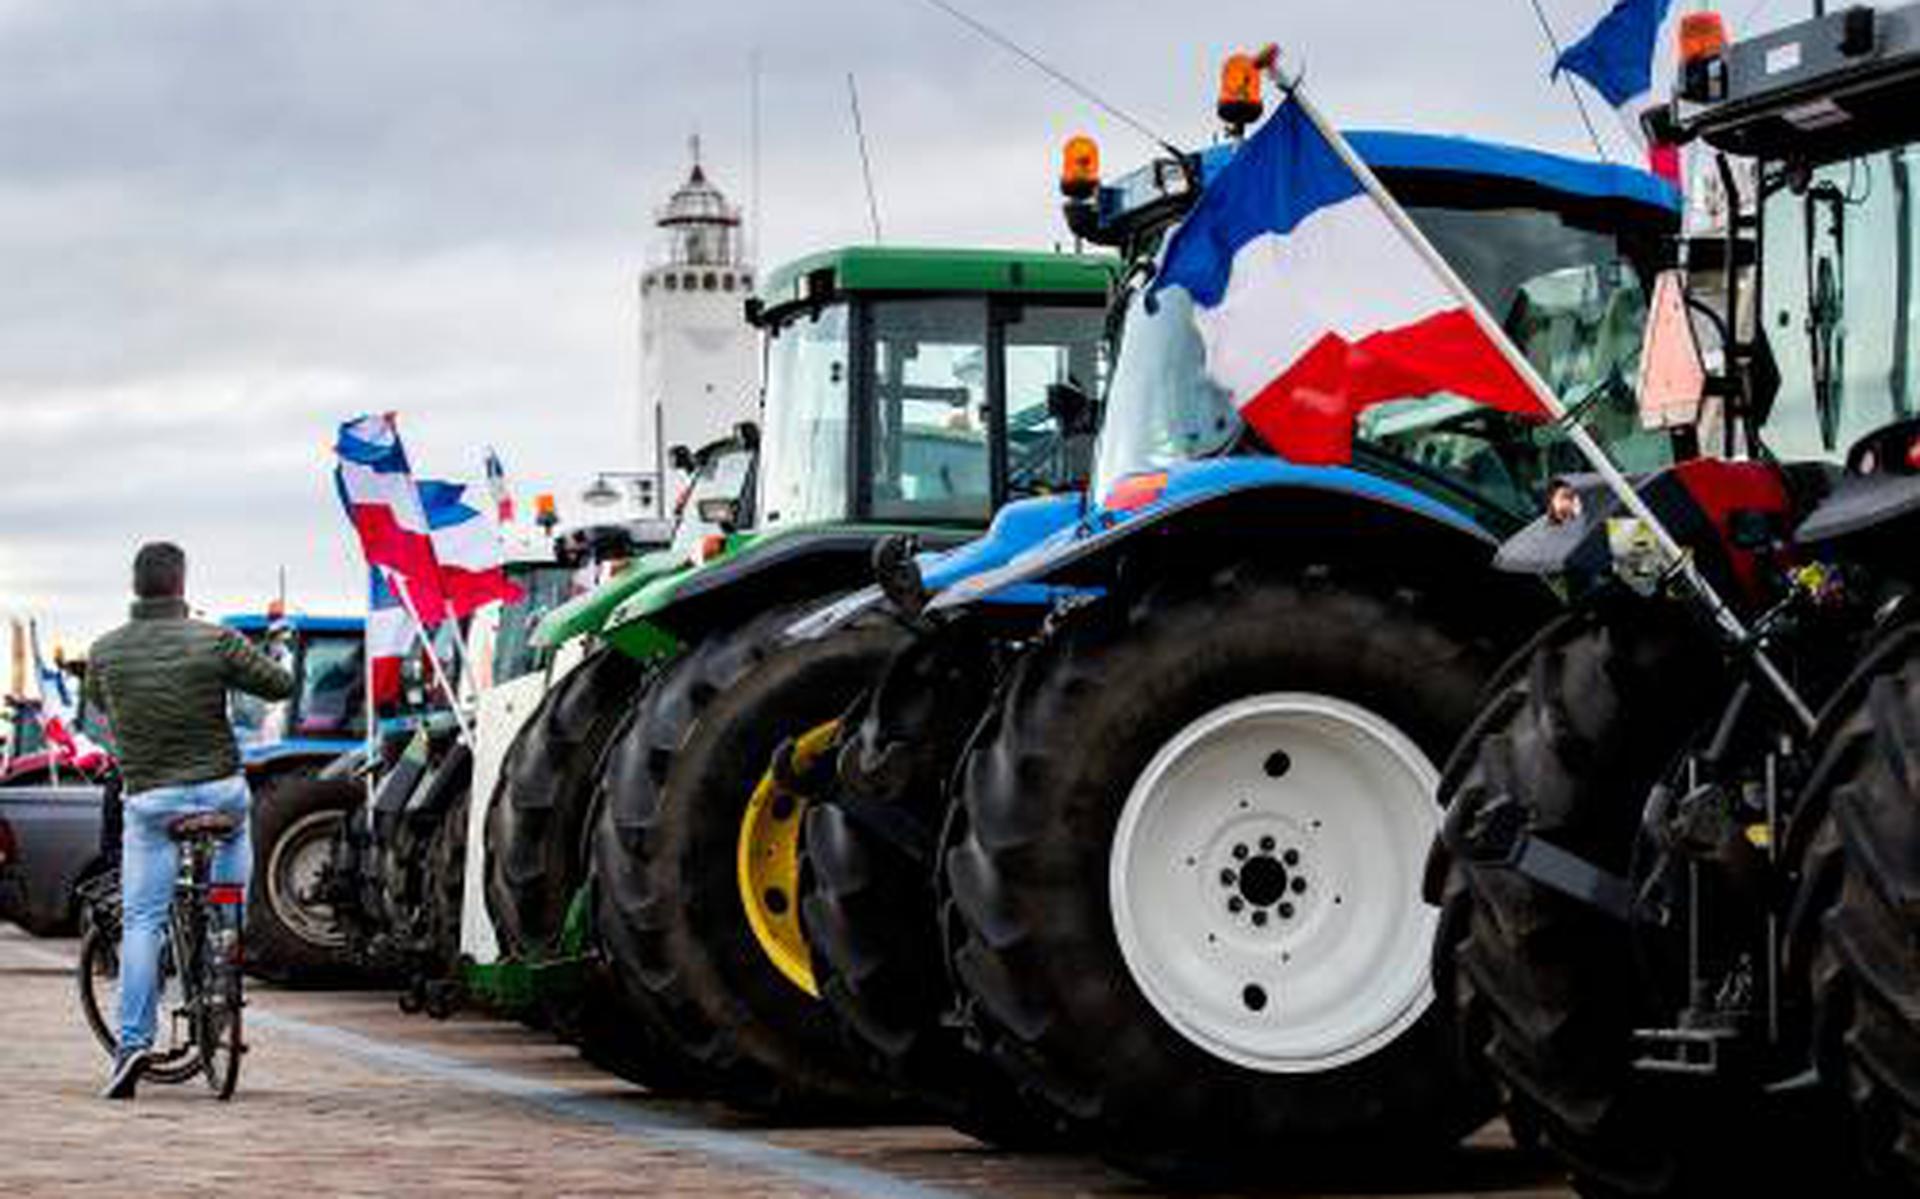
(1573, 88)
(866, 163)
(753, 144)
(1054, 73)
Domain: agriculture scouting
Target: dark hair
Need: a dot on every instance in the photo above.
(160, 571)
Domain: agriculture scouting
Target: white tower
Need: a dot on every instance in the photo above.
(699, 359)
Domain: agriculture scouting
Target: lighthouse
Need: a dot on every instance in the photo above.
(699, 359)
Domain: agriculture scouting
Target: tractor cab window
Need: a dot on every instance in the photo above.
(1837, 301)
(805, 411)
(1568, 296)
(332, 695)
(542, 588)
(723, 476)
(1048, 345)
(930, 418)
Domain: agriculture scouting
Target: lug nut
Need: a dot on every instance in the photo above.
(1234, 905)
(1291, 857)
(1297, 885)
(1240, 851)
(1286, 911)
(1266, 844)
(1259, 917)
(1226, 878)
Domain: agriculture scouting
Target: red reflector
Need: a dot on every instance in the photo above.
(1913, 453)
(7, 846)
(1136, 491)
(226, 893)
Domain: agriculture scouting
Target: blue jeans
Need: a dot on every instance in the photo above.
(149, 864)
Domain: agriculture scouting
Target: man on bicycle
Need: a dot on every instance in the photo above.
(163, 679)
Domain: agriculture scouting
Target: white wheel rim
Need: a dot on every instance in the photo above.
(1285, 967)
(294, 868)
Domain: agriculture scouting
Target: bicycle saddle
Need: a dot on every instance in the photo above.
(198, 824)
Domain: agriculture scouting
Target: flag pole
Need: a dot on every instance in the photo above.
(433, 657)
(1678, 558)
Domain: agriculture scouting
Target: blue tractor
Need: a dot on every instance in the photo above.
(1126, 841)
(292, 931)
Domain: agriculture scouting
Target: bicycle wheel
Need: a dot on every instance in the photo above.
(98, 976)
(217, 1006)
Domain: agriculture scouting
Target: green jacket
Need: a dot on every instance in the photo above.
(162, 680)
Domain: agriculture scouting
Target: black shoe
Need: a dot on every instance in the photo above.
(127, 1068)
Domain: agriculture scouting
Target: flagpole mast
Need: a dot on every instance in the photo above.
(1680, 560)
(433, 657)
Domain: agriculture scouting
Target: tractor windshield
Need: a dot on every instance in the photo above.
(1836, 296)
(544, 586)
(803, 466)
(1569, 298)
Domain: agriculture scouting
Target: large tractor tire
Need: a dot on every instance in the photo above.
(1188, 880)
(678, 798)
(869, 905)
(1861, 898)
(292, 937)
(537, 817)
(446, 882)
(1545, 989)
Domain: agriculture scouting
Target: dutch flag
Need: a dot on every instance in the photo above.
(1314, 305)
(377, 489)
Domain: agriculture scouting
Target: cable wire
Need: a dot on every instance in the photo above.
(1573, 88)
(1058, 76)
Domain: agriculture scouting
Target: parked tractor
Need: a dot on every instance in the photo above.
(906, 390)
(538, 730)
(1681, 872)
(1140, 811)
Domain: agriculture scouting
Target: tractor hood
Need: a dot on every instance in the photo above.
(586, 614)
(1139, 502)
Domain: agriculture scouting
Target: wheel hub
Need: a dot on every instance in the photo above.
(1264, 879)
(768, 859)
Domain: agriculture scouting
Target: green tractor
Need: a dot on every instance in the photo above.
(906, 390)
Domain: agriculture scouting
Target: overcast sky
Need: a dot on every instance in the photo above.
(226, 226)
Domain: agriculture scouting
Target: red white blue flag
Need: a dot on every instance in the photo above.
(1313, 305)
(377, 489)
(390, 634)
(59, 723)
(499, 488)
(467, 546)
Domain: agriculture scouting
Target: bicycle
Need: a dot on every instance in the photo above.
(200, 1004)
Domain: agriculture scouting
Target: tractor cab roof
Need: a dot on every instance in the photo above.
(252, 622)
(831, 274)
(1815, 91)
(1444, 171)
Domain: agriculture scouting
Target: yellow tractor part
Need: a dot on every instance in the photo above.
(768, 860)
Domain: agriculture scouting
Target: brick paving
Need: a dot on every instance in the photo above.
(344, 1095)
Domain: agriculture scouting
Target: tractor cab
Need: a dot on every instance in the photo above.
(326, 714)
(912, 386)
(1824, 115)
(1562, 252)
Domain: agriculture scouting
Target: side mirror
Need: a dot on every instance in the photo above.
(747, 433)
(720, 510)
(681, 459)
(1072, 409)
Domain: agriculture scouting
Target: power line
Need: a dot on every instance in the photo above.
(1573, 89)
(1058, 76)
(866, 163)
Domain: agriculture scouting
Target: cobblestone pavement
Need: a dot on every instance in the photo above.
(344, 1095)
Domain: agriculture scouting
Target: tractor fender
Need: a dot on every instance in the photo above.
(1718, 510)
(771, 570)
(1016, 529)
(1238, 507)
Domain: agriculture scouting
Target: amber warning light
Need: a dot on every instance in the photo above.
(1240, 103)
(1080, 168)
(1703, 35)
